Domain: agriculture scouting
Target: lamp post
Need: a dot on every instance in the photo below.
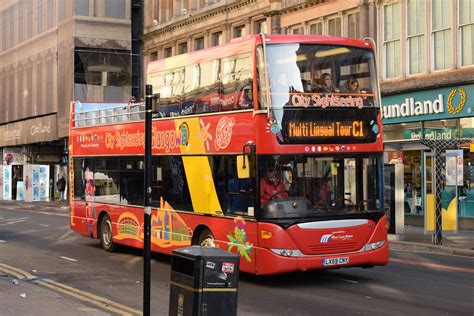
(147, 202)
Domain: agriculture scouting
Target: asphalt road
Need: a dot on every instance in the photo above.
(39, 239)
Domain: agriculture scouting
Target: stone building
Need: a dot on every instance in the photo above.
(53, 52)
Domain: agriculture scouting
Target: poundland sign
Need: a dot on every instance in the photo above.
(427, 105)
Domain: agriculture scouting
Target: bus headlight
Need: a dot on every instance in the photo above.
(374, 245)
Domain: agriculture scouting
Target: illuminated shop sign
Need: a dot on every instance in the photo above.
(331, 125)
(427, 105)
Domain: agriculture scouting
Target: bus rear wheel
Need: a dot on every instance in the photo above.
(106, 240)
(206, 239)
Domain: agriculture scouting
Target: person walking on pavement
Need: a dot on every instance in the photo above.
(61, 185)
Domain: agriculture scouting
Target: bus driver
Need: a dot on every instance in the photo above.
(271, 186)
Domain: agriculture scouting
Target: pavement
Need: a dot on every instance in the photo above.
(22, 294)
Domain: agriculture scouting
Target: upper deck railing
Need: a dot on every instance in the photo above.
(90, 114)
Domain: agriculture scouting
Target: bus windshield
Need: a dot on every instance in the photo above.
(300, 74)
(293, 186)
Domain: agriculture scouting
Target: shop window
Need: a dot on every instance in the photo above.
(441, 34)
(391, 39)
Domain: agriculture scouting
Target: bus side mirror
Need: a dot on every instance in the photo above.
(243, 168)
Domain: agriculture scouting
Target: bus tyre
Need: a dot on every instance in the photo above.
(106, 234)
(206, 239)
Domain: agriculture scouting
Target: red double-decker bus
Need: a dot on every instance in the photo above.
(269, 147)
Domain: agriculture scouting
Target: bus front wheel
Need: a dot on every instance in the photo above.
(106, 240)
(206, 239)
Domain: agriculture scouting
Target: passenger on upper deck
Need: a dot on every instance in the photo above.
(352, 85)
(325, 84)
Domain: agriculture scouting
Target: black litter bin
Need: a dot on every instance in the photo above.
(204, 281)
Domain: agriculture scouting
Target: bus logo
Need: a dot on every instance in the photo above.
(325, 238)
(224, 132)
(184, 131)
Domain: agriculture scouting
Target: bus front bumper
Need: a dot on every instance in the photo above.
(269, 262)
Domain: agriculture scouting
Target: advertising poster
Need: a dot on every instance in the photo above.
(13, 156)
(7, 182)
(27, 179)
(44, 182)
(35, 182)
(454, 167)
(20, 191)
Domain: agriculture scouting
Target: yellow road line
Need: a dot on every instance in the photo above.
(83, 298)
(79, 294)
(23, 273)
(92, 296)
(15, 274)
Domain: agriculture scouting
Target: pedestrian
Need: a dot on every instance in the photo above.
(61, 185)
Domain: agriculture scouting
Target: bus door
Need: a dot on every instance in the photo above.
(83, 201)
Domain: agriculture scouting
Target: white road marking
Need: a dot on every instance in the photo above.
(44, 225)
(13, 222)
(67, 258)
(345, 280)
(2, 241)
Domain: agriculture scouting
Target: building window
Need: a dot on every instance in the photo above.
(182, 48)
(12, 26)
(217, 39)
(261, 27)
(353, 25)
(81, 7)
(199, 43)
(239, 31)
(391, 39)
(153, 56)
(466, 31)
(316, 28)
(4, 27)
(21, 20)
(39, 17)
(115, 9)
(168, 52)
(416, 36)
(334, 27)
(297, 29)
(441, 34)
(29, 19)
(50, 13)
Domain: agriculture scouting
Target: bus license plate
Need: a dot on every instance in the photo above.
(335, 261)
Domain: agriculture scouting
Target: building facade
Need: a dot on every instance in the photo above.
(53, 52)
(425, 55)
(427, 70)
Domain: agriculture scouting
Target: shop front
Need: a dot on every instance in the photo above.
(31, 159)
(445, 113)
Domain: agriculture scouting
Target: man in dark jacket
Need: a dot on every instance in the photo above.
(61, 185)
